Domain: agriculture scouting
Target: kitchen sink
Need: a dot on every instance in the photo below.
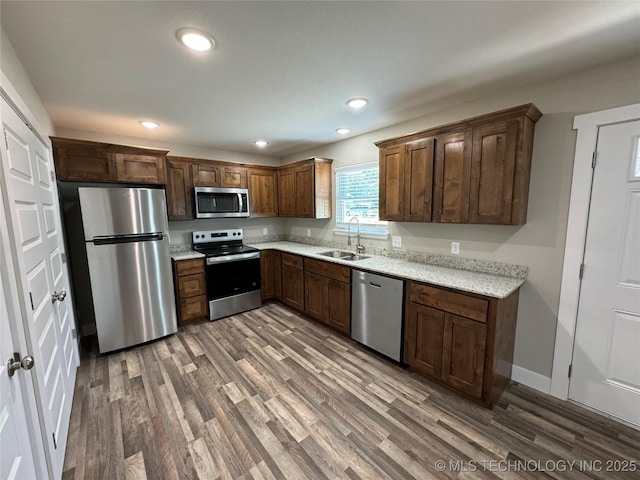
(343, 255)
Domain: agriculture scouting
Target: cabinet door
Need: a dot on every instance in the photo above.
(270, 275)
(418, 174)
(263, 192)
(293, 287)
(339, 314)
(492, 172)
(233, 176)
(304, 191)
(316, 296)
(463, 354)
(452, 178)
(179, 190)
(135, 168)
(392, 183)
(84, 163)
(277, 275)
(423, 339)
(286, 193)
(206, 175)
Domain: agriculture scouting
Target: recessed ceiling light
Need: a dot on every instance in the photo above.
(261, 143)
(148, 124)
(343, 131)
(195, 40)
(357, 102)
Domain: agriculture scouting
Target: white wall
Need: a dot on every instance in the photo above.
(16, 83)
(539, 244)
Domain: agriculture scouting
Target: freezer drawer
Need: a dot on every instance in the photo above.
(122, 211)
(376, 312)
(133, 295)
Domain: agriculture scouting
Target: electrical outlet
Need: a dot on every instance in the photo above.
(396, 242)
(264, 231)
(455, 248)
(308, 232)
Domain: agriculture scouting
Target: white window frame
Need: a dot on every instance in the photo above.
(377, 231)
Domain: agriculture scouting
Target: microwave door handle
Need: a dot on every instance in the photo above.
(241, 202)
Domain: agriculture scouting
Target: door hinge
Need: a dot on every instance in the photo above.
(53, 175)
(581, 271)
(74, 333)
(31, 300)
(55, 444)
(593, 159)
(569, 374)
(63, 257)
(6, 141)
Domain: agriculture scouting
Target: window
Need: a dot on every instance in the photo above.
(357, 196)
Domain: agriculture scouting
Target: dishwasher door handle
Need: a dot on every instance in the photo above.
(375, 285)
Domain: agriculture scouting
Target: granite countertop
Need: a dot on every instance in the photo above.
(491, 285)
(496, 286)
(186, 255)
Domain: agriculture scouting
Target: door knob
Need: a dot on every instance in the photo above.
(58, 296)
(14, 364)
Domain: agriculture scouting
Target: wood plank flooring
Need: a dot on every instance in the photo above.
(271, 395)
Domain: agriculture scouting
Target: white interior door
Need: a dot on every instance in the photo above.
(606, 356)
(34, 224)
(17, 459)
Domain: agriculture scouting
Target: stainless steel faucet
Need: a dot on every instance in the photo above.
(359, 246)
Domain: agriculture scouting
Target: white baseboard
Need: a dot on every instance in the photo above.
(531, 379)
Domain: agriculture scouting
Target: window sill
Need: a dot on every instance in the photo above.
(373, 235)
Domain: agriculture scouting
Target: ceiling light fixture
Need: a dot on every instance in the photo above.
(343, 131)
(195, 39)
(261, 143)
(149, 124)
(357, 103)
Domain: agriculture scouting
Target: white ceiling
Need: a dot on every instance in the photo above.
(283, 70)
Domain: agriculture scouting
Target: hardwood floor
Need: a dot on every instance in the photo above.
(270, 395)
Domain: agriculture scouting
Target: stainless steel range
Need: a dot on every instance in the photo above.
(232, 272)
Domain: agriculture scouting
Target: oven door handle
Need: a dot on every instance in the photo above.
(232, 258)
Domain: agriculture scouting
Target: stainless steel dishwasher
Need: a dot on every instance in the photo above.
(376, 312)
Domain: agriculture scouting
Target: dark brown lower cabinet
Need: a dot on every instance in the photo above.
(271, 275)
(191, 290)
(463, 341)
(463, 354)
(292, 281)
(327, 297)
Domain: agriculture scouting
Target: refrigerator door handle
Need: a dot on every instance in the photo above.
(150, 237)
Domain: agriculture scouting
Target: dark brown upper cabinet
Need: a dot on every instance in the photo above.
(263, 191)
(473, 171)
(84, 161)
(304, 189)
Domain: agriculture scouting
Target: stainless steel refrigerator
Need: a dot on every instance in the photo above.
(125, 233)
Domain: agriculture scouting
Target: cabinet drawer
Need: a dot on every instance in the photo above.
(294, 261)
(456, 303)
(193, 307)
(192, 285)
(341, 273)
(189, 267)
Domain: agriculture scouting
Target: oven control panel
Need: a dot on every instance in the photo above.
(209, 236)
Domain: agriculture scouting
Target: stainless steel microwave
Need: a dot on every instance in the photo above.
(214, 202)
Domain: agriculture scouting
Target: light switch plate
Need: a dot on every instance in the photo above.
(308, 232)
(264, 231)
(396, 241)
(455, 248)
